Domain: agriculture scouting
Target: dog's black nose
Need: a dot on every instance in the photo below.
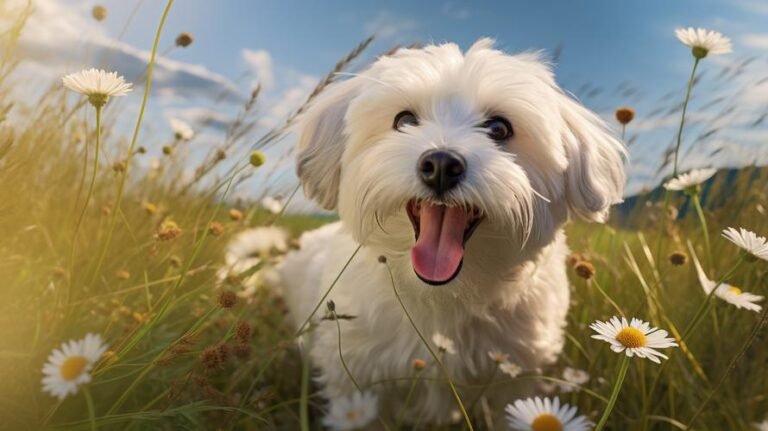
(441, 170)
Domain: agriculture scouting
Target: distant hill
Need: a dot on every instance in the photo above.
(730, 188)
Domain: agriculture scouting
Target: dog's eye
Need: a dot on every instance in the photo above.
(405, 118)
(498, 129)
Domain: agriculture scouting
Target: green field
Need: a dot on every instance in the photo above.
(76, 259)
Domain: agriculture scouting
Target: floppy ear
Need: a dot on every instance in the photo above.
(322, 143)
(594, 179)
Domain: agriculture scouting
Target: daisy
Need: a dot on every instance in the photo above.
(350, 413)
(574, 376)
(497, 356)
(690, 180)
(181, 130)
(97, 84)
(443, 343)
(636, 338)
(703, 41)
(70, 366)
(730, 294)
(271, 204)
(248, 249)
(537, 414)
(510, 369)
(755, 245)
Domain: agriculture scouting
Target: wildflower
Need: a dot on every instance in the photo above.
(624, 115)
(498, 357)
(122, 274)
(97, 84)
(227, 299)
(510, 369)
(574, 376)
(168, 230)
(216, 228)
(690, 180)
(243, 332)
(181, 130)
(703, 42)
(355, 412)
(271, 204)
(211, 358)
(537, 414)
(149, 207)
(247, 250)
(99, 13)
(167, 150)
(443, 343)
(70, 366)
(584, 269)
(730, 294)
(257, 158)
(184, 39)
(636, 338)
(141, 150)
(235, 214)
(757, 246)
(419, 364)
(678, 258)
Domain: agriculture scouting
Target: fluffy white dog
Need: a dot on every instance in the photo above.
(460, 169)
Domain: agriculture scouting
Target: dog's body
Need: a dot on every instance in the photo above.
(467, 212)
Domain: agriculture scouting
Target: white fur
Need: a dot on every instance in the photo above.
(512, 293)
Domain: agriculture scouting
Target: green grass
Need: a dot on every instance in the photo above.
(163, 321)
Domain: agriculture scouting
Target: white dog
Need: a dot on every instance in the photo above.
(460, 169)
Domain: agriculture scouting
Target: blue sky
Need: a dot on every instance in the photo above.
(613, 53)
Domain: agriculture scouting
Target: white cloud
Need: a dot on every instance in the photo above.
(386, 26)
(260, 62)
(756, 40)
(451, 10)
(63, 38)
(199, 116)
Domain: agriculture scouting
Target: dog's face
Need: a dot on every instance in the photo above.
(430, 150)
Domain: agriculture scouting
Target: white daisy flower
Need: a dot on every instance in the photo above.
(443, 343)
(498, 356)
(703, 41)
(636, 338)
(730, 294)
(248, 249)
(70, 366)
(690, 179)
(271, 204)
(537, 414)
(510, 369)
(575, 376)
(755, 245)
(97, 84)
(181, 130)
(351, 413)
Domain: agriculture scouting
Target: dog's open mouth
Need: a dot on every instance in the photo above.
(441, 233)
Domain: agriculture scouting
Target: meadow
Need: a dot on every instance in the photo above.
(168, 273)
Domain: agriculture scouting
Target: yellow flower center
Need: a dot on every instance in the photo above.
(73, 367)
(546, 422)
(631, 338)
(734, 290)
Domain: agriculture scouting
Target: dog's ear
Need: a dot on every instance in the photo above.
(594, 179)
(322, 142)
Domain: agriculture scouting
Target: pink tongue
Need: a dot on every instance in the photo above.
(440, 246)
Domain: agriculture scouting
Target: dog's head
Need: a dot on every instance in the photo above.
(429, 146)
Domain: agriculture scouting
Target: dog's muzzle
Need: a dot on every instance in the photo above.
(441, 170)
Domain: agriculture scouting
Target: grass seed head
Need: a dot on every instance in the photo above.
(216, 228)
(584, 269)
(227, 299)
(235, 214)
(257, 159)
(625, 115)
(678, 258)
(184, 39)
(99, 13)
